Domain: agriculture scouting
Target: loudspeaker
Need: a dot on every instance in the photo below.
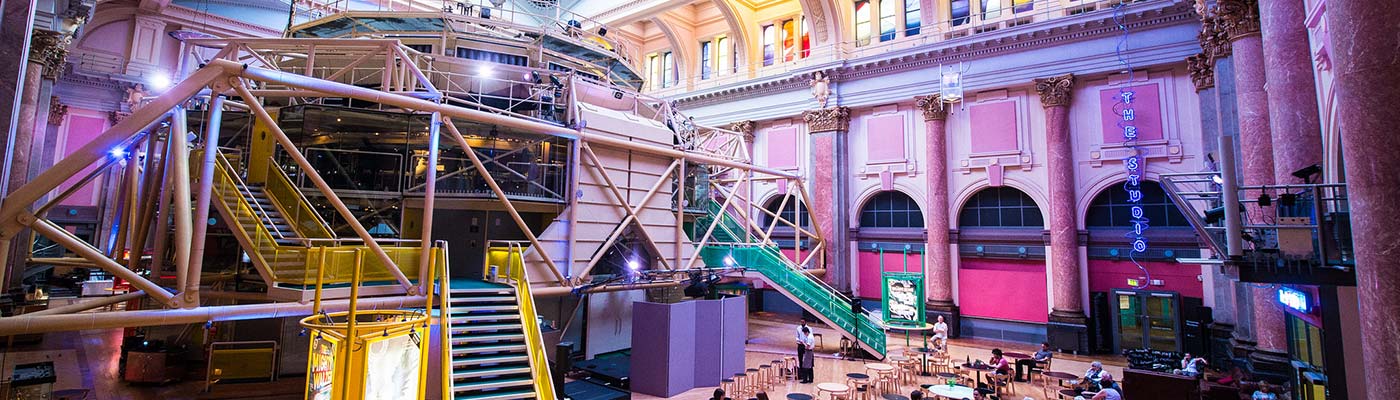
(1100, 323)
(602, 31)
(563, 362)
(1195, 317)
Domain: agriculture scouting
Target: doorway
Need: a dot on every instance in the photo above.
(1146, 319)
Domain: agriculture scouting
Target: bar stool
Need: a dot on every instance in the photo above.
(766, 371)
(858, 382)
(790, 367)
(741, 384)
(778, 371)
(728, 385)
(753, 382)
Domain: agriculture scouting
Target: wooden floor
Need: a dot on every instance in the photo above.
(770, 337)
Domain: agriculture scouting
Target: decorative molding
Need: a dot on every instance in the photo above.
(57, 111)
(1240, 17)
(1055, 91)
(933, 107)
(117, 116)
(1007, 41)
(1201, 70)
(833, 119)
(50, 49)
(745, 128)
(1213, 39)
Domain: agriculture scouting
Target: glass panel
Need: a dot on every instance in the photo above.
(991, 8)
(723, 56)
(862, 23)
(1161, 313)
(887, 20)
(1129, 328)
(960, 9)
(668, 68)
(768, 44)
(911, 17)
(1023, 6)
(789, 40)
(705, 52)
(806, 38)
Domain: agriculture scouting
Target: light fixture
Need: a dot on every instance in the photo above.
(160, 81)
(633, 265)
(117, 152)
(729, 261)
(1217, 180)
(484, 70)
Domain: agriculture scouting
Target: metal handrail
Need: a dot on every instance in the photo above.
(272, 165)
(242, 189)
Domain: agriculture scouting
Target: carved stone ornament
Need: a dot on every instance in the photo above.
(1239, 17)
(744, 127)
(1213, 38)
(827, 119)
(1055, 91)
(821, 88)
(49, 49)
(1202, 71)
(933, 107)
(117, 116)
(57, 110)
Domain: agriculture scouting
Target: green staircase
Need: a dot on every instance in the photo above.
(490, 359)
(730, 239)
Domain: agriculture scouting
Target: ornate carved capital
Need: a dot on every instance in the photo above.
(57, 110)
(49, 49)
(1202, 71)
(933, 107)
(827, 119)
(1055, 91)
(1239, 17)
(744, 127)
(1213, 38)
(117, 116)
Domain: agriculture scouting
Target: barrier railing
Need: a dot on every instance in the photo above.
(514, 272)
(295, 207)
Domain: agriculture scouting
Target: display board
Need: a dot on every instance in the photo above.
(392, 368)
(902, 300)
(320, 372)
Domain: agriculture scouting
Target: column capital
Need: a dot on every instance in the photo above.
(1201, 70)
(57, 110)
(744, 127)
(117, 116)
(1213, 39)
(1239, 17)
(50, 49)
(1055, 91)
(933, 107)
(831, 119)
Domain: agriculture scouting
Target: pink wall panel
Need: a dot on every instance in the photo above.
(111, 38)
(1003, 289)
(782, 148)
(870, 270)
(791, 254)
(1105, 275)
(81, 130)
(884, 139)
(1147, 113)
(993, 127)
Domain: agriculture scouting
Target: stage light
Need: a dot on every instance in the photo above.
(602, 31)
(729, 261)
(1265, 200)
(1217, 180)
(484, 70)
(1215, 214)
(633, 265)
(117, 152)
(160, 81)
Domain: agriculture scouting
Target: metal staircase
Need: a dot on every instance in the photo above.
(735, 246)
(490, 358)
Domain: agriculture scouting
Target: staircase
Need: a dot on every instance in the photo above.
(729, 241)
(490, 359)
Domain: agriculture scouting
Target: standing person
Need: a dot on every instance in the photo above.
(940, 334)
(1040, 357)
(805, 363)
(802, 332)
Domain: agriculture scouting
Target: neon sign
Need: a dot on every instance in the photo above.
(1294, 299)
(1134, 162)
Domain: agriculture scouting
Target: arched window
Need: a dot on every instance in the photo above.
(1111, 208)
(862, 22)
(891, 210)
(1001, 207)
(768, 42)
(789, 212)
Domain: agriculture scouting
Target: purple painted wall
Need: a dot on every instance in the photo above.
(709, 320)
(734, 328)
(993, 127)
(885, 139)
(663, 353)
(1147, 113)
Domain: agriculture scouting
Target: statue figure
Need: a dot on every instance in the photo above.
(135, 95)
(821, 88)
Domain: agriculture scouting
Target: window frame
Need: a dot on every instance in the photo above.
(978, 205)
(706, 49)
(882, 210)
(863, 34)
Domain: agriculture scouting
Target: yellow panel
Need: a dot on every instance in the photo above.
(242, 363)
(260, 150)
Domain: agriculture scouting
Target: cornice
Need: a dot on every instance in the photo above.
(1049, 33)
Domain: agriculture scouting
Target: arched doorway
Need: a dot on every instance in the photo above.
(890, 238)
(1002, 289)
(1136, 307)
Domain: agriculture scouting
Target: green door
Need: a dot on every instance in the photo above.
(1146, 320)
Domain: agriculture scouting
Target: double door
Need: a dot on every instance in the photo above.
(1146, 319)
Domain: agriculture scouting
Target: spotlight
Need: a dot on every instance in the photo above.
(484, 70)
(1307, 173)
(485, 13)
(117, 152)
(633, 265)
(1265, 200)
(1217, 180)
(1214, 215)
(1287, 199)
(160, 81)
(617, 94)
(602, 31)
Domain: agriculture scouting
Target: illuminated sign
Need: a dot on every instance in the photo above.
(1294, 299)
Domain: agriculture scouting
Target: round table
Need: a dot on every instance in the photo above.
(1068, 393)
(833, 388)
(979, 369)
(1018, 356)
(1062, 376)
(799, 396)
(952, 392)
(882, 370)
(925, 351)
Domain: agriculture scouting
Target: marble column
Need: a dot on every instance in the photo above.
(828, 127)
(1293, 114)
(1066, 288)
(46, 55)
(1364, 36)
(1240, 19)
(938, 251)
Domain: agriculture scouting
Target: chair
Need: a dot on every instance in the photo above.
(1003, 384)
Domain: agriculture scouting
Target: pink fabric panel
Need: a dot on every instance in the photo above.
(791, 254)
(884, 139)
(1003, 289)
(870, 269)
(782, 148)
(1147, 113)
(81, 130)
(1106, 275)
(993, 127)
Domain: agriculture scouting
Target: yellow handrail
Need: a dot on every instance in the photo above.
(515, 273)
(295, 207)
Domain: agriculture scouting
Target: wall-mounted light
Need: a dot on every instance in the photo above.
(950, 83)
(159, 81)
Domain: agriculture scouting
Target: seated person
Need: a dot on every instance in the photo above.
(1037, 359)
(999, 366)
(1265, 392)
(1094, 375)
(1191, 366)
(940, 334)
(1109, 390)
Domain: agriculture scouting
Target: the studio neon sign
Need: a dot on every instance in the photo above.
(1134, 165)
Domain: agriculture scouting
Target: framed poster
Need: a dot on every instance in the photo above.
(392, 368)
(320, 372)
(903, 298)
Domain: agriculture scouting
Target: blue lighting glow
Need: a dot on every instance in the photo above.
(117, 152)
(1134, 163)
(633, 265)
(1294, 299)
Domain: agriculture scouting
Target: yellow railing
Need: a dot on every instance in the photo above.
(299, 264)
(295, 207)
(510, 265)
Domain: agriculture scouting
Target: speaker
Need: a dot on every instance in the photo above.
(602, 31)
(563, 362)
(1195, 318)
(1100, 323)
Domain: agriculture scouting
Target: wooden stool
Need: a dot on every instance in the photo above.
(753, 381)
(818, 336)
(741, 384)
(790, 367)
(766, 371)
(859, 383)
(777, 369)
(728, 385)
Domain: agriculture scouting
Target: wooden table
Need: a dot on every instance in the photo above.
(952, 392)
(1018, 356)
(1068, 393)
(1062, 376)
(979, 369)
(833, 388)
(925, 351)
(882, 370)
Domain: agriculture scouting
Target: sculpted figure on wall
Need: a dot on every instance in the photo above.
(821, 88)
